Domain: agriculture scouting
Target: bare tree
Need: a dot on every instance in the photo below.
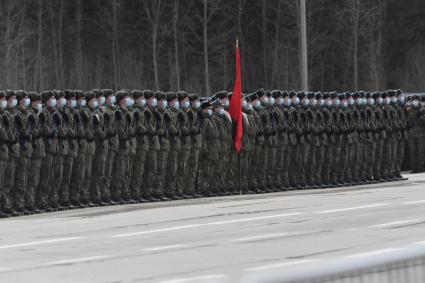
(154, 10)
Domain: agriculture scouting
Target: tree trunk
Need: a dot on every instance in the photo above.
(155, 59)
(264, 43)
(176, 44)
(355, 44)
(115, 44)
(79, 66)
(276, 44)
(207, 74)
(60, 46)
(40, 30)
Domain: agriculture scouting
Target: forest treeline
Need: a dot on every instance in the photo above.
(189, 44)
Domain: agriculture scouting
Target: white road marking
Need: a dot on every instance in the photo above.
(279, 265)
(175, 228)
(196, 279)
(414, 202)
(256, 238)
(389, 224)
(77, 260)
(58, 240)
(254, 218)
(163, 248)
(352, 208)
(378, 252)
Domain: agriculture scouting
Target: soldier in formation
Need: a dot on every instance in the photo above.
(73, 149)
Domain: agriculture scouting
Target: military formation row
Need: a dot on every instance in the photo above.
(73, 149)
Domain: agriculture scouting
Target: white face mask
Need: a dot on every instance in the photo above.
(271, 101)
(176, 105)
(39, 106)
(244, 104)
(401, 99)
(196, 105)
(3, 104)
(142, 102)
(415, 103)
(287, 101)
(313, 102)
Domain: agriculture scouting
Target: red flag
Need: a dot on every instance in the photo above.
(235, 107)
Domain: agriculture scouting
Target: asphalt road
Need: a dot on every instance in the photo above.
(212, 240)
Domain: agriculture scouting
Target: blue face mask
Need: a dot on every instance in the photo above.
(296, 101)
(176, 105)
(244, 104)
(351, 101)
(154, 102)
(53, 103)
(95, 104)
(271, 101)
(344, 104)
(27, 102)
(185, 104)
(164, 105)
(226, 103)
(131, 101)
(306, 102)
(83, 103)
(371, 101)
(257, 104)
(401, 99)
(102, 100)
(113, 100)
(250, 107)
(321, 102)
(73, 103)
(337, 102)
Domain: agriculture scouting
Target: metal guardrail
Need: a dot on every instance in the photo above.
(406, 265)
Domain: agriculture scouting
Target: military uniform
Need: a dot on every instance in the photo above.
(151, 164)
(119, 166)
(209, 156)
(25, 151)
(174, 123)
(5, 136)
(78, 168)
(49, 132)
(142, 147)
(190, 186)
(69, 115)
(101, 143)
